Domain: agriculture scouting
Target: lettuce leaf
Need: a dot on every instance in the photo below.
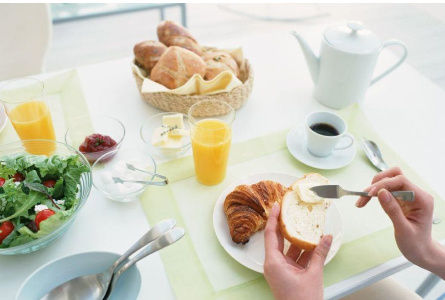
(5, 171)
(54, 165)
(57, 191)
(24, 203)
(32, 177)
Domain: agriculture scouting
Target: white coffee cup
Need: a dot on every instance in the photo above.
(323, 145)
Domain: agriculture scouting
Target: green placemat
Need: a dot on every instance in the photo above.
(199, 268)
(66, 102)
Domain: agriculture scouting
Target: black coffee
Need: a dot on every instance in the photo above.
(324, 129)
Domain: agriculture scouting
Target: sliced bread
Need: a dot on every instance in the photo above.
(303, 213)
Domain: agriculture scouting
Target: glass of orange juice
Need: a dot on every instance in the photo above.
(27, 109)
(211, 138)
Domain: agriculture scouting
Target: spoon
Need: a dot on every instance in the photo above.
(167, 239)
(94, 286)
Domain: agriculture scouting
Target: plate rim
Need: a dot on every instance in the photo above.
(288, 138)
(64, 257)
(238, 182)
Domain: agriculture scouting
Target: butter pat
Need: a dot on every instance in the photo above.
(179, 132)
(172, 142)
(160, 137)
(172, 121)
(306, 195)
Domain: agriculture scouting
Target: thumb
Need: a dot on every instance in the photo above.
(391, 207)
(321, 252)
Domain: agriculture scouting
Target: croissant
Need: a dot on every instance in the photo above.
(247, 208)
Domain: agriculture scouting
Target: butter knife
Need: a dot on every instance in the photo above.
(335, 191)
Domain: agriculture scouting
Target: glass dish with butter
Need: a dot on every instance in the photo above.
(167, 134)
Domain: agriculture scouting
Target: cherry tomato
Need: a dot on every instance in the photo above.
(6, 228)
(18, 177)
(49, 183)
(2, 181)
(43, 215)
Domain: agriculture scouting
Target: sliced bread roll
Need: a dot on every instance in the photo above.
(303, 213)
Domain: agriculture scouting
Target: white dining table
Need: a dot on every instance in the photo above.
(405, 108)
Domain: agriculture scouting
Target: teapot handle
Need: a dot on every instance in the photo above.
(398, 63)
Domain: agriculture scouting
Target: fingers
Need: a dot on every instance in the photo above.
(393, 172)
(305, 258)
(392, 208)
(362, 201)
(320, 254)
(274, 241)
(397, 183)
(390, 173)
(293, 252)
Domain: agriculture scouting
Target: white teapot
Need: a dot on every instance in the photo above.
(348, 56)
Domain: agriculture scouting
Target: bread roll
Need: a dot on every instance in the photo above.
(218, 62)
(302, 222)
(173, 34)
(148, 53)
(176, 66)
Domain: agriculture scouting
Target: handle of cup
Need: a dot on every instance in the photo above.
(351, 140)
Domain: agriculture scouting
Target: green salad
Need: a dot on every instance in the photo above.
(37, 195)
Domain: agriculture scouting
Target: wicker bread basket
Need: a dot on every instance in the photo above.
(181, 103)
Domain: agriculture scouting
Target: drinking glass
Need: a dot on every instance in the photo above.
(27, 109)
(211, 138)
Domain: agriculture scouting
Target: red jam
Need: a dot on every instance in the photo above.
(97, 142)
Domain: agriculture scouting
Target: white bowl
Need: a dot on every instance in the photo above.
(58, 271)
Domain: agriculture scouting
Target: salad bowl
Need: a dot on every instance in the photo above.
(60, 163)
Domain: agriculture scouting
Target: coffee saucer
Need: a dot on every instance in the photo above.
(296, 143)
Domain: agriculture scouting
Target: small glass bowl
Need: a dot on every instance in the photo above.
(139, 158)
(154, 122)
(85, 126)
(17, 148)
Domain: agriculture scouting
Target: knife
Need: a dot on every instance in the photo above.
(336, 192)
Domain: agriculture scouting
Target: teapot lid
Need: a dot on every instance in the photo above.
(353, 38)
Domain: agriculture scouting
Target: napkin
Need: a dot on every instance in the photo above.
(196, 85)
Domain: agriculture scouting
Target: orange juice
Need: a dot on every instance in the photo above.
(32, 120)
(211, 145)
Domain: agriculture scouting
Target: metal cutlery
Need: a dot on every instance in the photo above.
(158, 183)
(373, 153)
(167, 239)
(335, 191)
(94, 286)
(133, 168)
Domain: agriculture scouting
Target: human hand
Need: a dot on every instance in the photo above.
(412, 220)
(297, 275)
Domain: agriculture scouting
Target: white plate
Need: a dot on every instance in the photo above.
(296, 143)
(61, 270)
(251, 255)
(3, 118)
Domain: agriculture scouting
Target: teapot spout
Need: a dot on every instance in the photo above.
(312, 61)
